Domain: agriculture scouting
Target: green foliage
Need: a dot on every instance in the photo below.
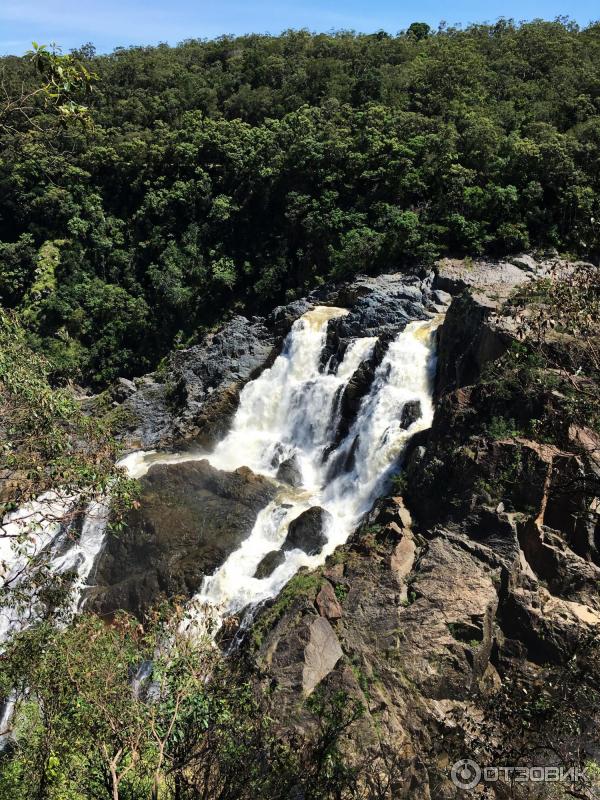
(53, 83)
(47, 441)
(63, 76)
(501, 428)
(193, 727)
(399, 483)
(341, 591)
(237, 173)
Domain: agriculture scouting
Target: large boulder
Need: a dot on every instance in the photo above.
(307, 531)
(411, 412)
(289, 472)
(269, 563)
(497, 278)
(191, 516)
(300, 652)
(321, 654)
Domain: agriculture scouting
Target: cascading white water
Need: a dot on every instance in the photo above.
(40, 528)
(288, 412)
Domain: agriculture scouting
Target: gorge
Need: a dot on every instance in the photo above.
(328, 490)
(291, 416)
(300, 412)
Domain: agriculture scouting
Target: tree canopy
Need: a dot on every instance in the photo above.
(233, 173)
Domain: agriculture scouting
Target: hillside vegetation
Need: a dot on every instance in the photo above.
(236, 173)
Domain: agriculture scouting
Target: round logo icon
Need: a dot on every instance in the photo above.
(465, 773)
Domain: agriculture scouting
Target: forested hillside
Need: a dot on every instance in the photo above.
(236, 173)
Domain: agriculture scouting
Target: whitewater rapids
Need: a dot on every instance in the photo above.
(292, 410)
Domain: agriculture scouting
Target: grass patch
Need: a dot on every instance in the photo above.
(304, 584)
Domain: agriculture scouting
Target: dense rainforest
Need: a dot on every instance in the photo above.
(151, 197)
(237, 173)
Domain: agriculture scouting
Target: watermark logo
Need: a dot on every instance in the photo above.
(466, 774)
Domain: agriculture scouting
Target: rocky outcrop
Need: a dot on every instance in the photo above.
(411, 412)
(196, 394)
(380, 307)
(472, 335)
(289, 472)
(302, 655)
(307, 531)
(327, 602)
(190, 518)
(467, 625)
(269, 563)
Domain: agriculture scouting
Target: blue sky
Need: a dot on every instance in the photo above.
(111, 23)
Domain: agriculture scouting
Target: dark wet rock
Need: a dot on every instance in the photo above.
(306, 532)
(289, 472)
(199, 389)
(411, 412)
(269, 564)
(281, 319)
(191, 517)
(470, 337)
(148, 418)
(379, 306)
(209, 377)
(357, 389)
(383, 313)
(343, 459)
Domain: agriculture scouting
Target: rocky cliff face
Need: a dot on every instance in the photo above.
(467, 626)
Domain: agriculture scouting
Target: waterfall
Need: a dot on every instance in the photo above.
(40, 529)
(289, 411)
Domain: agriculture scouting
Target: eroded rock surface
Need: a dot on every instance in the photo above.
(191, 516)
(469, 625)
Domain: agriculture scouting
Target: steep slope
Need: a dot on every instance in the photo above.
(468, 626)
